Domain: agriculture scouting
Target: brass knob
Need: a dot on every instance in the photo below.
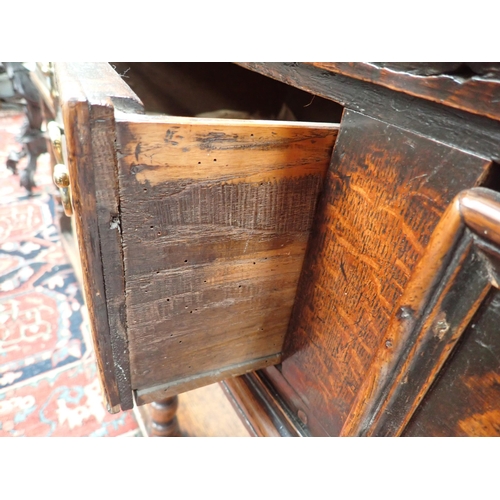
(61, 180)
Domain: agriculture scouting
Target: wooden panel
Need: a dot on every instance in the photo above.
(466, 131)
(449, 285)
(386, 190)
(215, 220)
(465, 401)
(476, 93)
(87, 92)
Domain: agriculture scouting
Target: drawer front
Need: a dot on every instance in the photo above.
(192, 234)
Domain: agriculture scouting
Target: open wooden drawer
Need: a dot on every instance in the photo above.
(192, 233)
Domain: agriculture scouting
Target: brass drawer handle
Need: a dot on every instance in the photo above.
(56, 140)
(61, 174)
(61, 180)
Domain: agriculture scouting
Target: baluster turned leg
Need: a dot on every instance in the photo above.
(164, 422)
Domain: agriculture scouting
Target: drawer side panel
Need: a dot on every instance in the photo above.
(215, 217)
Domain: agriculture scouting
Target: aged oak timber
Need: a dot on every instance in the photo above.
(340, 281)
(215, 220)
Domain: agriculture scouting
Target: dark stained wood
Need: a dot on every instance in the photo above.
(172, 387)
(473, 93)
(102, 125)
(427, 272)
(385, 192)
(263, 412)
(215, 219)
(163, 419)
(439, 329)
(87, 93)
(292, 402)
(450, 284)
(476, 134)
(465, 400)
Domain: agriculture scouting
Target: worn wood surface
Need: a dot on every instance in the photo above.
(449, 285)
(475, 93)
(465, 400)
(385, 192)
(215, 220)
(87, 95)
(260, 407)
(466, 131)
(443, 321)
(292, 402)
(379, 379)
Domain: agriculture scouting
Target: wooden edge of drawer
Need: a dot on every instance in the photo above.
(86, 93)
(159, 392)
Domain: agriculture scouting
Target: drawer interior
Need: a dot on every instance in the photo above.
(193, 89)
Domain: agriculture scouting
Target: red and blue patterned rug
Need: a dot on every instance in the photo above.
(48, 381)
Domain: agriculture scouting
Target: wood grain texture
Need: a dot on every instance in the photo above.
(450, 284)
(469, 132)
(88, 115)
(385, 192)
(465, 400)
(215, 220)
(473, 93)
(380, 376)
(465, 285)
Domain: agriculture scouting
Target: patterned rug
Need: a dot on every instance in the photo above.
(48, 382)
